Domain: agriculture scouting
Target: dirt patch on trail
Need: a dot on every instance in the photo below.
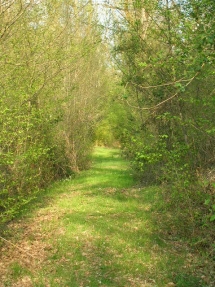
(23, 252)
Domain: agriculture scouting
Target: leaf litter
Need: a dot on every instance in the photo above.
(28, 249)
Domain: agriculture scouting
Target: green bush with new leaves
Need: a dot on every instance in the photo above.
(52, 86)
(165, 51)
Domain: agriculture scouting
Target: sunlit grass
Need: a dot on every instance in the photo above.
(106, 236)
(103, 231)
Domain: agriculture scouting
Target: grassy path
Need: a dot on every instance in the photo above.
(96, 230)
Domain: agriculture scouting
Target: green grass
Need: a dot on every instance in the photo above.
(100, 229)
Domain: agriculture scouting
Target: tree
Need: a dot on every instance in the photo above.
(52, 76)
(164, 57)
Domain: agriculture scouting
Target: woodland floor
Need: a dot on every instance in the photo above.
(98, 229)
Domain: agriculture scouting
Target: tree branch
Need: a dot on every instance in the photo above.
(168, 99)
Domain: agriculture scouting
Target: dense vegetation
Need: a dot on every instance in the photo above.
(165, 52)
(56, 78)
(53, 84)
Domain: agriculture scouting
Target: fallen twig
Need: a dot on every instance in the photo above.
(14, 245)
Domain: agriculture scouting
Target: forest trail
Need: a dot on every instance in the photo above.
(96, 230)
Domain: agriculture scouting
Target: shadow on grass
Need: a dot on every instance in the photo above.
(110, 242)
(117, 242)
(108, 231)
(116, 230)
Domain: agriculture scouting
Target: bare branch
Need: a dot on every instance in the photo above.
(14, 20)
(168, 99)
(162, 85)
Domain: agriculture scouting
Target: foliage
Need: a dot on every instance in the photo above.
(115, 119)
(165, 51)
(52, 88)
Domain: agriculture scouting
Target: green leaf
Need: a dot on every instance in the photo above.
(212, 218)
(180, 87)
(142, 64)
(207, 201)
